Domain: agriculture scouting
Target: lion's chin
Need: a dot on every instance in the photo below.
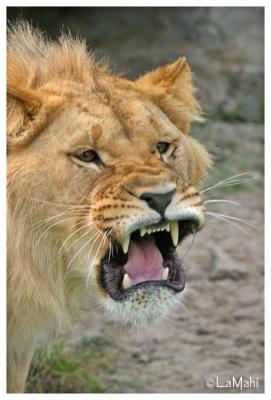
(146, 306)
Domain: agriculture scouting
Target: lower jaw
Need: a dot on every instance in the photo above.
(174, 285)
(144, 306)
(147, 287)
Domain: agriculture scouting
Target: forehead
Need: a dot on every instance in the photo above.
(121, 115)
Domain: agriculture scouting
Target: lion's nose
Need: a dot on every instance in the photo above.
(158, 201)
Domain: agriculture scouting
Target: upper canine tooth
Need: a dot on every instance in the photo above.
(174, 230)
(142, 231)
(165, 274)
(125, 244)
(126, 283)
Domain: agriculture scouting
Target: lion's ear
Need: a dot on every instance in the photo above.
(172, 89)
(28, 111)
(24, 114)
(28, 105)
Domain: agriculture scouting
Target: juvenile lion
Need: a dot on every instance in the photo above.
(103, 185)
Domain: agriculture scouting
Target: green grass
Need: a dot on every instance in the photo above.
(63, 370)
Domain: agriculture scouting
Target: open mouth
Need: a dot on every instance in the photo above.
(146, 258)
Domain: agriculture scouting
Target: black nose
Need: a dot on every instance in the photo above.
(158, 201)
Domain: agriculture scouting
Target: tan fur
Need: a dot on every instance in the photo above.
(59, 100)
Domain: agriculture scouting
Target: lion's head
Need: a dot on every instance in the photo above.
(103, 177)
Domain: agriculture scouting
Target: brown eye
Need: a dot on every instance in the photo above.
(88, 156)
(162, 147)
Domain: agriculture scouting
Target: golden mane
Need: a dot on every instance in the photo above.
(33, 59)
(40, 73)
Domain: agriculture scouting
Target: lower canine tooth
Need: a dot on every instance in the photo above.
(125, 244)
(174, 230)
(126, 283)
(165, 274)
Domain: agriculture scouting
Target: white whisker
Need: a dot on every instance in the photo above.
(96, 236)
(241, 220)
(61, 204)
(111, 253)
(77, 230)
(110, 250)
(222, 201)
(191, 245)
(76, 212)
(109, 232)
(231, 178)
(76, 254)
(231, 181)
(230, 222)
(56, 223)
(93, 261)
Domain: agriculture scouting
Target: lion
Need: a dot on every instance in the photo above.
(103, 185)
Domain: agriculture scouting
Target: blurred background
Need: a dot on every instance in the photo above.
(219, 331)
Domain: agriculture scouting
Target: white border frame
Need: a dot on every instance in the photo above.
(139, 3)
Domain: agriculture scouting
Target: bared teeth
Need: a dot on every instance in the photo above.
(165, 274)
(174, 231)
(147, 230)
(172, 227)
(125, 244)
(142, 231)
(126, 283)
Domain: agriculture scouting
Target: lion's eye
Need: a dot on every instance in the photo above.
(87, 156)
(162, 147)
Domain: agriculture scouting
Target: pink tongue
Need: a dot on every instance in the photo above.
(145, 262)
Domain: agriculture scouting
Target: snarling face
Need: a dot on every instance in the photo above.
(116, 166)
